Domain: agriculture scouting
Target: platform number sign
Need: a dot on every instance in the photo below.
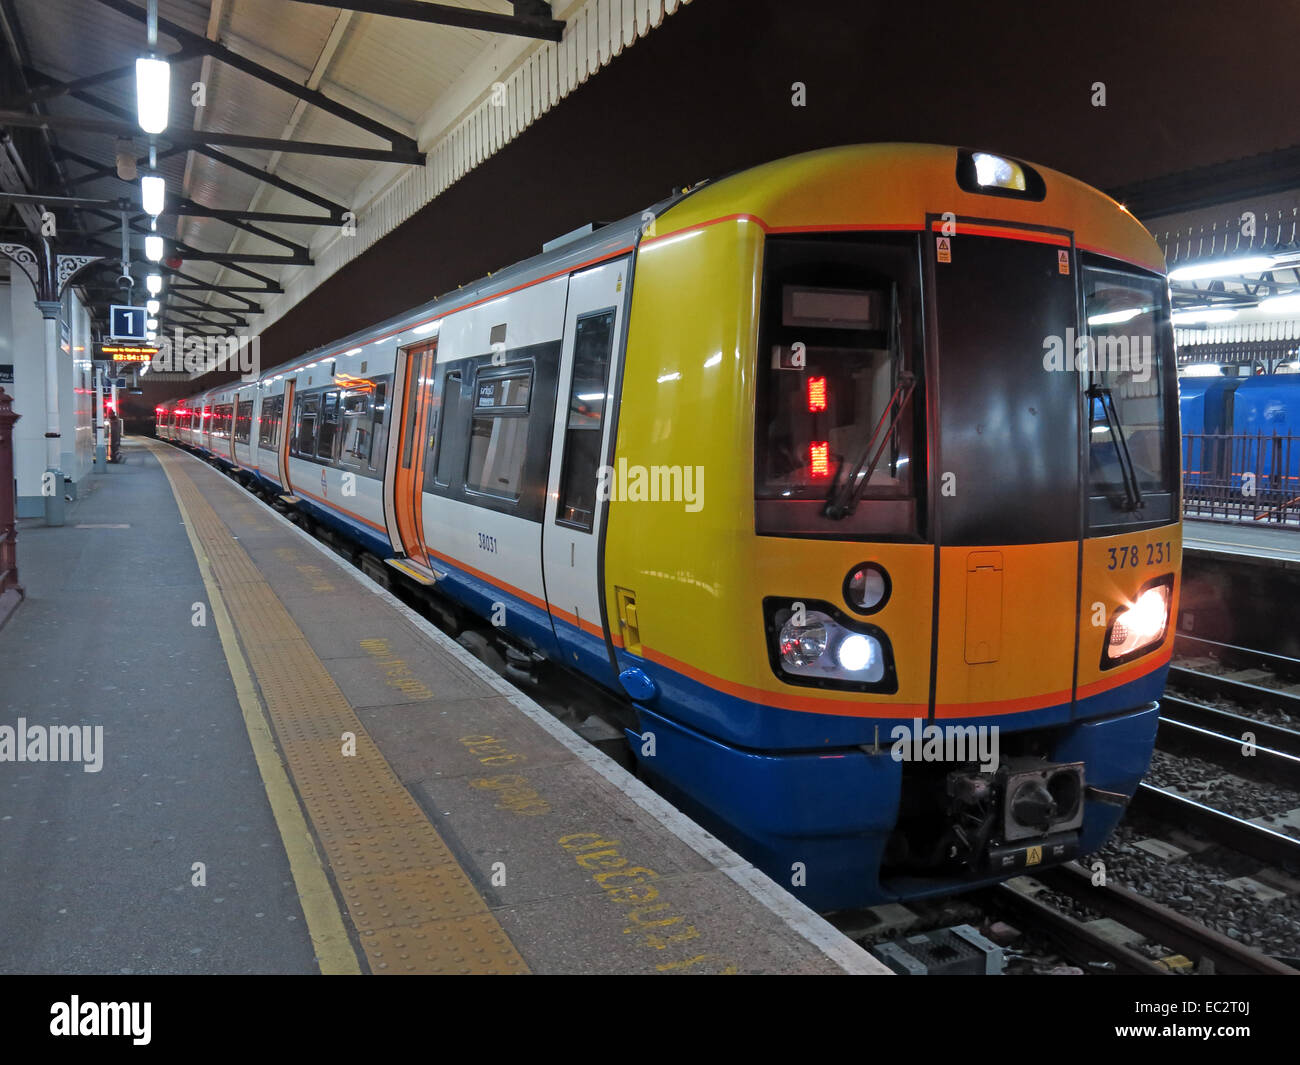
(127, 323)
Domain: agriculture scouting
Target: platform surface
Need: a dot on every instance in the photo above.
(356, 792)
(1243, 542)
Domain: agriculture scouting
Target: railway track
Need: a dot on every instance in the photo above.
(1240, 744)
(1209, 951)
(1238, 657)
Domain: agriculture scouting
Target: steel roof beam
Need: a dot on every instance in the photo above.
(198, 43)
(336, 210)
(191, 139)
(531, 19)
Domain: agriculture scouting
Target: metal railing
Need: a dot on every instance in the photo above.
(1242, 477)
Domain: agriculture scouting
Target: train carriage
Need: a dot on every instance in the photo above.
(855, 475)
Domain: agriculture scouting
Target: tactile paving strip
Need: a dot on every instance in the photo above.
(414, 909)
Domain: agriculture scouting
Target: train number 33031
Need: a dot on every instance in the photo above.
(1131, 556)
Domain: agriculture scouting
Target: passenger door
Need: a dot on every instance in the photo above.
(412, 454)
(572, 526)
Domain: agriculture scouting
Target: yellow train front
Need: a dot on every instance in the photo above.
(894, 532)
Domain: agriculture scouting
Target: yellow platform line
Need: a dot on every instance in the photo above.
(411, 903)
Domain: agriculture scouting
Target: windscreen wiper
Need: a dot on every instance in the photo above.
(844, 498)
(1128, 472)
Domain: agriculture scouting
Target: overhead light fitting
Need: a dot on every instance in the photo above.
(153, 194)
(152, 94)
(153, 283)
(153, 248)
(1248, 264)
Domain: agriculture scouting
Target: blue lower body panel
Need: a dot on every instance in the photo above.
(819, 823)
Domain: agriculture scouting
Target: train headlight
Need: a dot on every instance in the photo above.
(856, 652)
(813, 643)
(802, 645)
(1141, 626)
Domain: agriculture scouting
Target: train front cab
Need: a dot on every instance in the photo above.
(1010, 567)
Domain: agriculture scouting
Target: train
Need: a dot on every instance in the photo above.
(1242, 441)
(852, 478)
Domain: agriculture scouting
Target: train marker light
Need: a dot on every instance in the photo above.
(866, 588)
(994, 171)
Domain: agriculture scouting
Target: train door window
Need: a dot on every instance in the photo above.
(244, 421)
(413, 387)
(304, 442)
(355, 409)
(593, 343)
(449, 404)
(268, 432)
(379, 425)
(499, 433)
(222, 420)
(1131, 421)
(328, 435)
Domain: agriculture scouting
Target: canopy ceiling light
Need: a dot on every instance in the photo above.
(152, 94)
(153, 283)
(153, 193)
(153, 248)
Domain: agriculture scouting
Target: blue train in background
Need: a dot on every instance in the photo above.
(1239, 426)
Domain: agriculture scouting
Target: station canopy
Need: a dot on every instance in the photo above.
(298, 132)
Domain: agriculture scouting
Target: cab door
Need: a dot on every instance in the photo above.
(1006, 480)
(572, 526)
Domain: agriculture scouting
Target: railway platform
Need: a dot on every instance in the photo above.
(279, 767)
(1243, 542)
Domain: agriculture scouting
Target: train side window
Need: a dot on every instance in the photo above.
(593, 344)
(355, 409)
(379, 426)
(304, 443)
(244, 421)
(328, 435)
(268, 431)
(498, 441)
(450, 403)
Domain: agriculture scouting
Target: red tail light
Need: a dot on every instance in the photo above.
(819, 458)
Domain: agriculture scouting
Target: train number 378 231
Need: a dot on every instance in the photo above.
(1131, 556)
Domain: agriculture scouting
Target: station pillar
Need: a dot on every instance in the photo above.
(52, 481)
